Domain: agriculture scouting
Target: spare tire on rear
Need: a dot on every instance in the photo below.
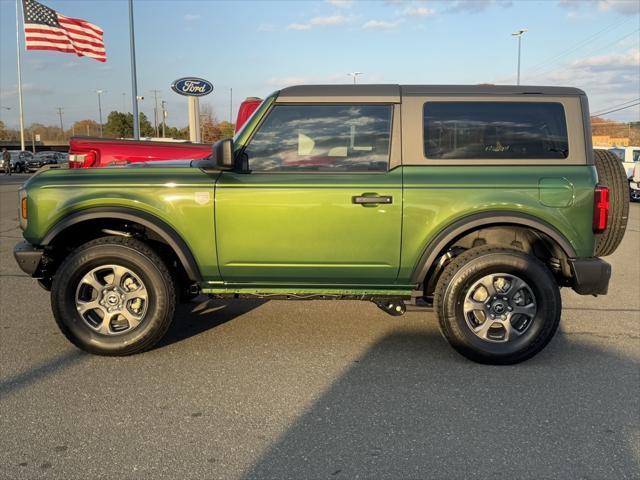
(611, 174)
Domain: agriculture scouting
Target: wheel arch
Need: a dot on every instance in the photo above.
(480, 221)
(163, 231)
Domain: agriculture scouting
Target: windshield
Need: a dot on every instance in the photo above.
(618, 152)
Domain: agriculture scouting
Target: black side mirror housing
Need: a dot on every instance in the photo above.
(223, 154)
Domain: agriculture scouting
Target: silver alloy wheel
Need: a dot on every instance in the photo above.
(499, 307)
(635, 194)
(111, 299)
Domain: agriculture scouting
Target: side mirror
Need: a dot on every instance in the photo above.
(223, 154)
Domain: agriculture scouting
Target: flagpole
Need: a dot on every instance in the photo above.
(19, 77)
(134, 82)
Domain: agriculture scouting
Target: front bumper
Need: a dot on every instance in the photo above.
(590, 275)
(28, 257)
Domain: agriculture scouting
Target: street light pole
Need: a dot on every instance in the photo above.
(519, 34)
(354, 75)
(100, 92)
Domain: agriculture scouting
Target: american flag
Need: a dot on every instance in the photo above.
(46, 29)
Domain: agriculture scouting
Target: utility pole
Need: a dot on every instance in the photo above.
(519, 34)
(100, 92)
(60, 115)
(155, 111)
(164, 117)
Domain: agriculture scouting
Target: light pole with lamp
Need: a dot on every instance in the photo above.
(519, 34)
(354, 75)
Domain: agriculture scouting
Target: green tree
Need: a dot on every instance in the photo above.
(120, 125)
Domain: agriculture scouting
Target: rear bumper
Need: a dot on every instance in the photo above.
(28, 257)
(590, 275)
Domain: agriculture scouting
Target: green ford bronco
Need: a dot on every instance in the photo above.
(477, 201)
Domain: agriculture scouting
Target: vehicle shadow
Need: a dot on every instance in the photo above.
(411, 408)
(50, 368)
(202, 314)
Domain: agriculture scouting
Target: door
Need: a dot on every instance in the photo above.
(320, 205)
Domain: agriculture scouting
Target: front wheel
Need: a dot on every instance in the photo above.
(497, 305)
(113, 296)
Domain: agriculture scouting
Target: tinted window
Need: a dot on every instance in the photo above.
(636, 156)
(329, 138)
(495, 130)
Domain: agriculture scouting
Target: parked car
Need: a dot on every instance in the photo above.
(477, 201)
(247, 107)
(19, 159)
(630, 156)
(41, 159)
(86, 152)
(634, 183)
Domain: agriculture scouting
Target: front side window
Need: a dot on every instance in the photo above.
(495, 130)
(324, 138)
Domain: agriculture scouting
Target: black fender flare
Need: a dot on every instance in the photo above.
(153, 223)
(469, 223)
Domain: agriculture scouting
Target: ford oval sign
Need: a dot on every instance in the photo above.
(192, 87)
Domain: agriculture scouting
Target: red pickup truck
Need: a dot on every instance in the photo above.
(88, 152)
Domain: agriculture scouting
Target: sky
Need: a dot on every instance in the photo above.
(256, 47)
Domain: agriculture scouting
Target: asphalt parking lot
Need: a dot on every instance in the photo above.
(313, 390)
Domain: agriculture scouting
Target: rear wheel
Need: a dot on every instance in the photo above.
(497, 305)
(113, 296)
(611, 174)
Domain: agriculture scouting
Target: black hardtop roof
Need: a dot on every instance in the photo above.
(368, 90)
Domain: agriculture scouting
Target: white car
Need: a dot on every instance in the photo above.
(634, 183)
(630, 157)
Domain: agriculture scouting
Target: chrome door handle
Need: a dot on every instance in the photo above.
(372, 200)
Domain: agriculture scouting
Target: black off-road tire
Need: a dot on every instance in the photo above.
(611, 174)
(140, 259)
(474, 264)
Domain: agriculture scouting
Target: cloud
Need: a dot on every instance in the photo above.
(27, 89)
(418, 12)
(626, 7)
(380, 25)
(474, 6)
(266, 27)
(608, 79)
(319, 22)
(341, 3)
(191, 17)
(299, 26)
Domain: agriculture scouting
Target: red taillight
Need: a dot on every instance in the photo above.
(600, 209)
(82, 160)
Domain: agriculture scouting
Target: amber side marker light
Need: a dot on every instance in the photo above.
(23, 208)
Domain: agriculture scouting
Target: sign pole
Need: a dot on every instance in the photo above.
(21, 116)
(194, 119)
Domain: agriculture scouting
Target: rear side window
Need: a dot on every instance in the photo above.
(323, 138)
(495, 130)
